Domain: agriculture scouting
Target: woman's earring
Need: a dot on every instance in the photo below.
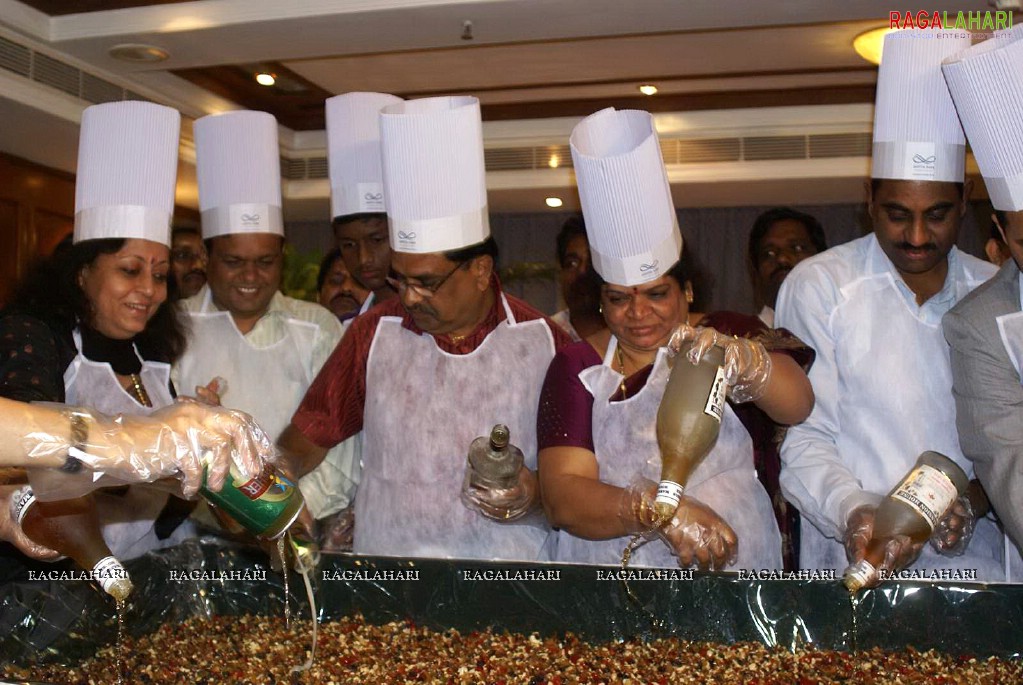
(600, 308)
(689, 292)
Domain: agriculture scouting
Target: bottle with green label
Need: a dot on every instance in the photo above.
(913, 508)
(265, 505)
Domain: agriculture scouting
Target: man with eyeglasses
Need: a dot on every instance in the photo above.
(425, 374)
(780, 238)
(188, 260)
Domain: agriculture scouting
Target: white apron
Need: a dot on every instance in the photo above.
(895, 365)
(423, 409)
(268, 382)
(127, 519)
(625, 442)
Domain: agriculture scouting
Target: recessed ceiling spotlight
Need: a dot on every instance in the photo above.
(138, 52)
(554, 162)
(869, 44)
(648, 89)
(554, 202)
(265, 78)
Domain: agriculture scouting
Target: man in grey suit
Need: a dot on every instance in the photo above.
(985, 330)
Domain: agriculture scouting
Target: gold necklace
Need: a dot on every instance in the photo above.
(621, 367)
(140, 390)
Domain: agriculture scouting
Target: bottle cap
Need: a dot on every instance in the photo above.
(858, 575)
(500, 436)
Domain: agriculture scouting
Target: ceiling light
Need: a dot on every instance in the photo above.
(554, 162)
(648, 89)
(265, 78)
(868, 44)
(553, 202)
(138, 52)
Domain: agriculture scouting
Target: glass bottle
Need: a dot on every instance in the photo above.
(688, 422)
(495, 461)
(72, 528)
(913, 508)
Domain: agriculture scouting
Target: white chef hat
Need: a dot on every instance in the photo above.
(917, 135)
(986, 83)
(238, 166)
(625, 195)
(127, 171)
(434, 176)
(353, 151)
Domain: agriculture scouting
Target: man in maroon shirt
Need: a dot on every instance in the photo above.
(423, 375)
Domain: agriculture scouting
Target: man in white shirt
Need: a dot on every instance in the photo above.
(872, 310)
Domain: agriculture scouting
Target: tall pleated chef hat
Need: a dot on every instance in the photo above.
(353, 152)
(986, 83)
(239, 171)
(917, 135)
(127, 171)
(626, 200)
(434, 178)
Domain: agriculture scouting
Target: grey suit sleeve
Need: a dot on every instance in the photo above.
(989, 414)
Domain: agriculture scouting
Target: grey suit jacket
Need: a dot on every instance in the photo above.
(988, 394)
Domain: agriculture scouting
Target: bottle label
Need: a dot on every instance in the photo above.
(108, 571)
(859, 574)
(21, 500)
(928, 491)
(716, 399)
(669, 493)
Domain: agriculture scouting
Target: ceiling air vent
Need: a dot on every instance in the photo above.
(841, 145)
(293, 169)
(316, 167)
(508, 158)
(14, 57)
(702, 151)
(50, 72)
(774, 148)
(96, 90)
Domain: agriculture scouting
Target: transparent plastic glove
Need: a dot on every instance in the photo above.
(11, 532)
(174, 441)
(952, 534)
(900, 551)
(501, 504)
(636, 506)
(747, 363)
(699, 537)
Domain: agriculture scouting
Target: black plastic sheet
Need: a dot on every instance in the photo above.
(65, 621)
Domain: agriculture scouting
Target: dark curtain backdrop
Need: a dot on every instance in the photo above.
(717, 235)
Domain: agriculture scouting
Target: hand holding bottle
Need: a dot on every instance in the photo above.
(899, 551)
(11, 531)
(501, 503)
(952, 534)
(747, 363)
(171, 442)
(699, 537)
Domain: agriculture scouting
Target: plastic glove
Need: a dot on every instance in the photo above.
(747, 363)
(952, 534)
(12, 533)
(179, 440)
(899, 551)
(699, 537)
(636, 506)
(501, 504)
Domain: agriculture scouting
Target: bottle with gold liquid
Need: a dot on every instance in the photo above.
(913, 508)
(688, 422)
(72, 528)
(495, 461)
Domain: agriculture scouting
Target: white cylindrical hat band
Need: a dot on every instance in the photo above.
(1006, 193)
(640, 268)
(242, 218)
(439, 235)
(123, 221)
(916, 161)
(357, 198)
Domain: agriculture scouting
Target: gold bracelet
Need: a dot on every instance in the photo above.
(79, 438)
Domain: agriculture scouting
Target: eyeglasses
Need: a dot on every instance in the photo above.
(424, 291)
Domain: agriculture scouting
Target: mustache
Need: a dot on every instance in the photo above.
(930, 247)
(345, 296)
(783, 270)
(195, 272)
(423, 309)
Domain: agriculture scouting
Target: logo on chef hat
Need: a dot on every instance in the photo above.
(371, 197)
(923, 160)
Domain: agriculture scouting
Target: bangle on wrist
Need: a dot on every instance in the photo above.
(79, 438)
